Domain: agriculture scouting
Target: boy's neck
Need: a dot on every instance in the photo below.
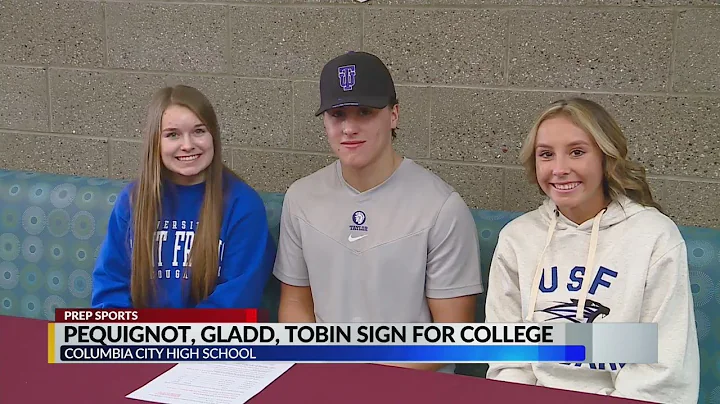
(374, 173)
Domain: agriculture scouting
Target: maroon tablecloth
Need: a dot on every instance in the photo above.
(27, 378)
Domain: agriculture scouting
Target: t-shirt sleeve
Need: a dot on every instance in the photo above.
(290, 267)
(453, 267)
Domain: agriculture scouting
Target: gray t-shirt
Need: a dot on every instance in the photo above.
(376, 256)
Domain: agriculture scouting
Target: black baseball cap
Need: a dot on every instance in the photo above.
(355, 78)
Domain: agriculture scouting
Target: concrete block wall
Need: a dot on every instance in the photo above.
(76, 76)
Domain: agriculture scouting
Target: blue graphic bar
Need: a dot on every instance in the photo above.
(325, 353)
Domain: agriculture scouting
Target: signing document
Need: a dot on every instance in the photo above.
(216, 383)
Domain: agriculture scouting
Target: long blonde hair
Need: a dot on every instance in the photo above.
(147, 193)
(621, 175)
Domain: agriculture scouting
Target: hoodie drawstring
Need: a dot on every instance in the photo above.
(539, 269)
(589, 267)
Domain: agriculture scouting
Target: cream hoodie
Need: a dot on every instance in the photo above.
(639, 273)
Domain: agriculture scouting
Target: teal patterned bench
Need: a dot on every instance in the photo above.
(52, 226)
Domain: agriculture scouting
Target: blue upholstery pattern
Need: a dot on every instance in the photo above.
(51, 229)
(52, 226)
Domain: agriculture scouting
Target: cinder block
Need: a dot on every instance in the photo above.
(413, 133)
(104, 104)
(620, 49)
(166, 37)
(275, 171)
(250, 112)
(690, 203)
(669, 135)
(639, 3)
(290, 42)
(479, 186)
(23, 98)
(308, 129)
(52, 32)
(697, 51)
(315, 2)
(486, 126)
(520, 194)
(54, 154)
(439, 46)
(125, 159)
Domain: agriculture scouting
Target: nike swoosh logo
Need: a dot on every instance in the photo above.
(351, 238)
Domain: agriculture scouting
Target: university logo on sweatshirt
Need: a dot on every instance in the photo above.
(565, 309)
(173, 243)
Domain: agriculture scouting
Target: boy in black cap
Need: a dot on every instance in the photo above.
(373, 237)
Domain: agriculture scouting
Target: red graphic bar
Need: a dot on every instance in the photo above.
(160, 316)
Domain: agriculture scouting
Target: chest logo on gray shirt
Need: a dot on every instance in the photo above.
(359, 218)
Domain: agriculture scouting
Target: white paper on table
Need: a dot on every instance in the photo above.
(214, 383)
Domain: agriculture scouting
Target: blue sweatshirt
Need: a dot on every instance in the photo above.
(247, 250)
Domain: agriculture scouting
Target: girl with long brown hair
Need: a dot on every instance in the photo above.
(187, 232)
(599, 249)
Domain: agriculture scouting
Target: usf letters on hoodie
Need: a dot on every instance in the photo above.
(628, 264)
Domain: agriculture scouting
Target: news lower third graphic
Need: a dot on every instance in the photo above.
(173, 336)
